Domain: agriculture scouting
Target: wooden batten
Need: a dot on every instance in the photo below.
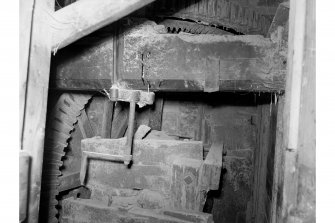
(84, 17)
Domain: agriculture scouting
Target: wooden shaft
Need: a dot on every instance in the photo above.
(130, 132)
(106, 129)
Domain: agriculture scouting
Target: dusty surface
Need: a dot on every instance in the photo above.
(156, 56)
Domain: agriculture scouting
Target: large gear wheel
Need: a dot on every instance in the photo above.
(233, 15)
(59, 127)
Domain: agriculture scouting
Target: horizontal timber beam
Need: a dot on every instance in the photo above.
(165, 85)
(84, 17)
(174, 63)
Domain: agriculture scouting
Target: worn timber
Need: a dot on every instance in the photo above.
(174, 169)
(150, 57)
(86, 210)
(34, 93)
(84, 17)
(24, 163)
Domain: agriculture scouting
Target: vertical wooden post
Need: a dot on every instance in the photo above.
(34, 115)
(277, 164)
(292, 103)
(296, 139)
(295, 64)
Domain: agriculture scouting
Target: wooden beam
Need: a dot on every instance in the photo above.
(37, 83)
(84, 17)
(181, 63)
(292, 106)
(154, 56)
(296, 178)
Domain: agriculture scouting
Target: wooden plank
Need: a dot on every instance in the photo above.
(277, 165)
(162, 85)
(261, 154)
(83, 209)
(84, 17)
(26, 13)
(211, 169)
(155, 119)
(36, 100)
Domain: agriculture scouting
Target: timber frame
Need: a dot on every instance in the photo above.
(47, 31)
(41, 31)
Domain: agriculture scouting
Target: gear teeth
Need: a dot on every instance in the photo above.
(58, 135)
(60, 124)
(235, 15)
(53, 161)
(66, 118)
(51, 166)
(175, 26)
(56, 146)
(68, 110)
(51, 172)
(51, 201)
